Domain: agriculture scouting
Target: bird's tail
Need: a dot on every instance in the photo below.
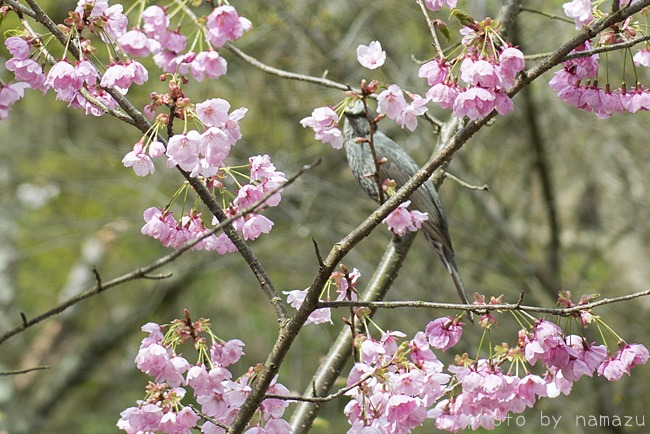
(447, 257)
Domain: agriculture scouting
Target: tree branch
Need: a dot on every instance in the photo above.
(339, 250)
(560, 311)
(340, 351)
(286, 74)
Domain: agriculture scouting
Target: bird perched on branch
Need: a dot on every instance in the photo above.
(395, 164)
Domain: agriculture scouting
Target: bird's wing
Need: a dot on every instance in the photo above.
(400, 167)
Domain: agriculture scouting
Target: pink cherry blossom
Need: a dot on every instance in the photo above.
(214, 146)
(28, 71)
(18, 47)
(62, 77)
(227, 353)
(502, 103)
(140, 419)
(180, 422)
(324, 122)
(256, 225)
(261, 167)
(405, 412)
(478, 72)
(156, 149)
(371, 56)
(156, 361)
(475, 103)
(435, 71)
(173, 41)
(135, 42)
(224, 24)
(95, 8)
(511, 61)
(158, 225)
(642, 58)
(401, 219)
(443, 333)
(122, 76)
(580, 11)
(115, 23)
(444, 94)
(183, 150)
(9, 95)
(85, 73)
(409, 116)
(391, 102)
(213, 112)
(248, 194)
(220, 244)
(231, 128)
(139, 160)
(296, 298)
(155, 21)
(625, 359)
(436, 5)
(208, 64)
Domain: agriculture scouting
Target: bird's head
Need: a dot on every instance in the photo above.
(357, 118)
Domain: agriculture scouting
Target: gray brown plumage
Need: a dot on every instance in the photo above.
(400, 167)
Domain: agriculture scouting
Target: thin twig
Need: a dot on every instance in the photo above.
(432, 29)
(144, 272)
(467, 185)
(285, 74)
(547, 15)
(560, 311)
(23, 371)
(206, 417)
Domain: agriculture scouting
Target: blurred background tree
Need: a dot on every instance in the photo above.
(566, 210)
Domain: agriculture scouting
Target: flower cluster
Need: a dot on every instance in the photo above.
(395, 385)
(211, 380)
(344, 282)
(577, 84)
(402, 219)
(392, 103)
(324, 122)
(264, 184)
(168, 46)
(488, 67)
(155, 36)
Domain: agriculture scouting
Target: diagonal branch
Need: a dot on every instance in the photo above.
(340, 351)
(340, 249)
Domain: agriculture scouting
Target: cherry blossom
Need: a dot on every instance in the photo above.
(371, 56)
(436, 5)
(443, 333)
(401, 219)
(580, 11)
(324, 121)
(139, 160)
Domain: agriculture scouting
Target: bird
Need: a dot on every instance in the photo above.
(396, 164)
